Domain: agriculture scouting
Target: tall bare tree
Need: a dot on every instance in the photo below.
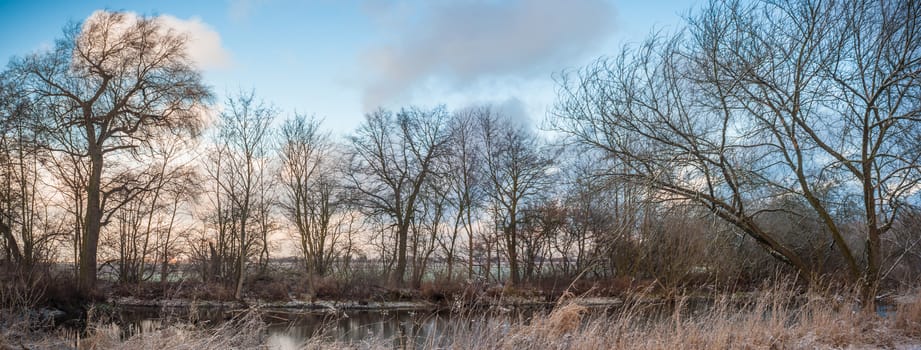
(22, 244)
(464, 186)
(314, 198)
(392, 157)
(239, 167)
(516, 172)
(106, 87)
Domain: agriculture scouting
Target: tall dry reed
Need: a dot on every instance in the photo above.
(778, 317)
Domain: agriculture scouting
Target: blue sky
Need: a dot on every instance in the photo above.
(340, 59)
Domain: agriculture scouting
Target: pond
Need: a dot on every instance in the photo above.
(290, 328)
(355, 327)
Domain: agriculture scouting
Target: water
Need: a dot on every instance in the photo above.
(287, 329)
(290, 328)
(402, 326)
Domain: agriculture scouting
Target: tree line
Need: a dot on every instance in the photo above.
(761, 136)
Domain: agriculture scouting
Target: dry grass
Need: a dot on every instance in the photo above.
(243, 332)
(908, 317)
(778, 318)
(775, 319)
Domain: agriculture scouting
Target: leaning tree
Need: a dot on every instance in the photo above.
(755, 104)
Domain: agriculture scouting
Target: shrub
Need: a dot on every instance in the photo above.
(441, 289)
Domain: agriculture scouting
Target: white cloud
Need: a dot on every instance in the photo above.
(204, 45)
(465, 43)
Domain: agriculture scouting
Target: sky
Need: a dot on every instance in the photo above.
(338, 59)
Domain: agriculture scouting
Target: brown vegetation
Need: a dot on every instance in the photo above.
(779, 317)
(695, 165)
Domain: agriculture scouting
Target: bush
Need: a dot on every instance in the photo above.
(441, 290)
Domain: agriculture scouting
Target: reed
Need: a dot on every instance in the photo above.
(778, 317)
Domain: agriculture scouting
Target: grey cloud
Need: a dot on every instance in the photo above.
(464, 42)
(516, 112)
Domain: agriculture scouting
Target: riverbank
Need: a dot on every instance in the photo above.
(779, 317)
(340, 305)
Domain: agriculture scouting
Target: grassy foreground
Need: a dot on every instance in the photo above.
(776, 318)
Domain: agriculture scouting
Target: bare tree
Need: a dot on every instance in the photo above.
(106, 87)
(392, 158)
(242, 203)
(69, 179)
(810, 100)
(177, 192)
(130, 242)
(541, 224)
(516, 172)
(23, 244)
(427, 226)
(313, 194)
(143, 229)
(465, 190)
(597, 215)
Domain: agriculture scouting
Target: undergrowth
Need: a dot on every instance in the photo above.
(778, 317)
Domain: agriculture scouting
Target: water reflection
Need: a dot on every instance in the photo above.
(290, 329)
(404, 327)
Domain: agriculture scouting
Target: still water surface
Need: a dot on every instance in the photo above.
(290, 328)
(287, 329)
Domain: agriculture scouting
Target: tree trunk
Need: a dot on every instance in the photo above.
(511, 243)
(871, 274)
(241, 263)
(396, 278)
(450, 262)
(11, 245)
(470, 256)
(86, 281)
(214, 269)
(488, 252)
